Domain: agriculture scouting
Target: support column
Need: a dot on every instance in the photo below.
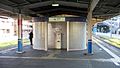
(85, 33)
(68, 25)
(91, 7)
(46, 36)
(90, 33)
(20, 46)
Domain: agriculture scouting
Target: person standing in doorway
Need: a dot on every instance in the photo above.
(31, 37)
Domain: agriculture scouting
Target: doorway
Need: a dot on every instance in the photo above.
(57, 35)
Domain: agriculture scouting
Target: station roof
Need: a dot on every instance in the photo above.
(107, 9)
(103, 9)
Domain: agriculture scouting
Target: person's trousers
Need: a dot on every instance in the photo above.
(31, 41)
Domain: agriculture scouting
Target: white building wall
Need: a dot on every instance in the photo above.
(77, 35)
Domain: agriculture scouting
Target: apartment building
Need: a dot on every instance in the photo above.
(6, 26)
(9, 26)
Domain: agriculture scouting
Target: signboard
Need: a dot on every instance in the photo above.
(56, 19)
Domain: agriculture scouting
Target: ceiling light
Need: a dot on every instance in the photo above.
(55, 4)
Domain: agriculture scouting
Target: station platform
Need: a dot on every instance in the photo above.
(57, 59)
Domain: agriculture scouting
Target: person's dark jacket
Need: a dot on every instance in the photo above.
(30, 35)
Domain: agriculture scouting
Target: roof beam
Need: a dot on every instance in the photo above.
(8, 8)
(92, 6)
(64, 3)
(117, 5)
(39, 4)
(111, 8)
(66, 9)
(27, 1)
(14, 10)
(62, 12)
(107, 14)
(27, 11)
(72, 4)
(45, 11)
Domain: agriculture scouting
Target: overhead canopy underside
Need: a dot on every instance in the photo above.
(103, 9)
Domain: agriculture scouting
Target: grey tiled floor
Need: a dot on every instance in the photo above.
(56, 59)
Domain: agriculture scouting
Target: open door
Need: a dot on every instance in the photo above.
(57, 35)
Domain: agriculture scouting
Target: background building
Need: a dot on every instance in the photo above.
(6, 26)
(9, 26)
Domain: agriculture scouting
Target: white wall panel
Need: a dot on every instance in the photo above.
(77, 36)
(38, 41)
(51, 37)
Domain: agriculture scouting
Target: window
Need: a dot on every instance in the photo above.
(8, 31)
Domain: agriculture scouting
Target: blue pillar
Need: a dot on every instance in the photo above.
(20, 48)
(89, 46)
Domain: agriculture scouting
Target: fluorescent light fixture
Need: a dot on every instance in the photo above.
(55, 4)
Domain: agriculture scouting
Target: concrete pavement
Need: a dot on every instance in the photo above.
(58, 59)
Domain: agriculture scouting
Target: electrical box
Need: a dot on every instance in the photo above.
(58, 39)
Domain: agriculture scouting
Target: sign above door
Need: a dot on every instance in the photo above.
(56, 19)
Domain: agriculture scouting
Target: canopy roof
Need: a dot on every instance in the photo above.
(103, 9)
